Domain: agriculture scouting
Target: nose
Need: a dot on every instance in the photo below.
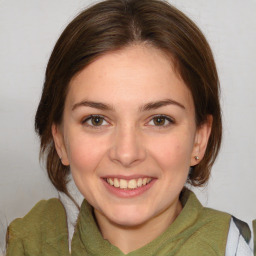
(127, 148)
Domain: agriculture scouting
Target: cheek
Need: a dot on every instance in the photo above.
(172, 151)
(84, 152)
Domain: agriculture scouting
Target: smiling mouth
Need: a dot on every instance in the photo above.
(128, 184)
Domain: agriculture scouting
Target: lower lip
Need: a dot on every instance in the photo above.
(128, 193)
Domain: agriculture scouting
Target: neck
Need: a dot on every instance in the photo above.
(131, 238)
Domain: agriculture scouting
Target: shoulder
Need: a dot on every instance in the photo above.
(235, 233)
(43, 210)
(214, 229)
(216, 214)
(206, 217)
(47, 219)
(221, 232)
(217, 222)
(208, 228)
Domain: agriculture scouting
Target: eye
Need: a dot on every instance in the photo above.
(161, 121)
(95, 121)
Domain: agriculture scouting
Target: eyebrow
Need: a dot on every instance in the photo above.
(159, 104)
(146, 107)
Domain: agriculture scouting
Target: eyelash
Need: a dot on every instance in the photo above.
(167, 118)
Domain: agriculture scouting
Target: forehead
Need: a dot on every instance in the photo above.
(132, 75)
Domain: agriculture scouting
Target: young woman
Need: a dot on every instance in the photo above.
(128, 116)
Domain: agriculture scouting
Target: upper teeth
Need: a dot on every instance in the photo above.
(130, 184)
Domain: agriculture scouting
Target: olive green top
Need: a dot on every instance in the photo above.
(43, 231)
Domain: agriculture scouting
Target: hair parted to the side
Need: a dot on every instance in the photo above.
(111, 25)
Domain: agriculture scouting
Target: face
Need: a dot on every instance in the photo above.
(129, 135)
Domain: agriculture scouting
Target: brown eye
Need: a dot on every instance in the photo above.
(159, 120)
(97, 120)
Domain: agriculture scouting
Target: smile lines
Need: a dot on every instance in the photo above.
(128, 184)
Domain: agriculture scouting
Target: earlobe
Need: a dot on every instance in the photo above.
(201, 141)
(59, 144)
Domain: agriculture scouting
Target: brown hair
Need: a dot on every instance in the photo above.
(112, 25)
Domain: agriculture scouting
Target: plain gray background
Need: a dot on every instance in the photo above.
(28, 32)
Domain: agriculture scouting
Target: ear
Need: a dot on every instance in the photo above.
(201, 140)
(59, 144)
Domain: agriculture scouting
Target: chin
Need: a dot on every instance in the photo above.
(131, 222)
(129, 217)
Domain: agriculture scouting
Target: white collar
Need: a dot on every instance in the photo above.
(71, 209)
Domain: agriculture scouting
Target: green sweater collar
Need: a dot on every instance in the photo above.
(178, 238)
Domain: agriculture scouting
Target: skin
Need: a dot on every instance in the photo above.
(130, 142)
